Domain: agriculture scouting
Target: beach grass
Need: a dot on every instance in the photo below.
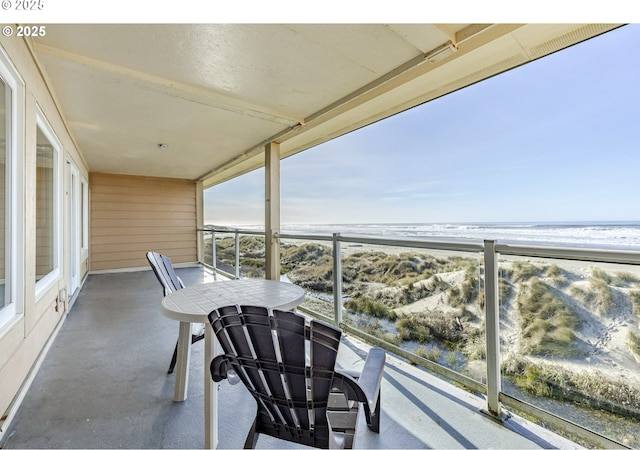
(547, 322)
(634, 298)
(600, 295)
(552, 380)
(627, 277)
(633, 342)
(432, 353)
(555, 275)
(364, 305)
(522, 271)
(600, 274)
(424, 327)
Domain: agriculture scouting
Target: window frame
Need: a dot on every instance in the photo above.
(45, 283)
(14, 198)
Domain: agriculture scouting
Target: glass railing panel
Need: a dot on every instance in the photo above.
(251, 253)
(309, 264)
(225, 252)
(207, 247)
(570, 342)
(427, 302)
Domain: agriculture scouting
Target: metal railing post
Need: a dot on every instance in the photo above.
(213, 253)
(337, 280)
(492, 323)
(200, 235)
(237, 245)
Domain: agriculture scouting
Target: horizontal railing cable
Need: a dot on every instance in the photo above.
(568, 253)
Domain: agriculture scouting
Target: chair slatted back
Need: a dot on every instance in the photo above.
(268, 352)
(163, 268)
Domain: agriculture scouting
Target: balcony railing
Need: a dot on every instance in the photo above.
(489, 278)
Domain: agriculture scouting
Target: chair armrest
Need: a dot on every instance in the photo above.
(218, 368)
(371, 376)
(366, 386)
(369, 379)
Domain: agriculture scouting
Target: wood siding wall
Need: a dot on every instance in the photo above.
(132, 215)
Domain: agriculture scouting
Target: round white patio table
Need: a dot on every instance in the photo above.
(193, 304)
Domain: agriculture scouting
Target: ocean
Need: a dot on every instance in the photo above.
(601, 235)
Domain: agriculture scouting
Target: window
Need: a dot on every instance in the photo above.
(48, 214)
(11, 200)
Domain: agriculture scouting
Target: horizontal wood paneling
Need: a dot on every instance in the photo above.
(142, 246)
(134, 255)
(141, 238)
(153, 207)
(143, 215)
(133, 215)
(124, 222)
(135, 231)
(134, 198)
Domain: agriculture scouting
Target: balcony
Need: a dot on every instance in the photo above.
(90, 393)
(169, 129)
(549, 331)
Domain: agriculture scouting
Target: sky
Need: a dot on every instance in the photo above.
(554, 140)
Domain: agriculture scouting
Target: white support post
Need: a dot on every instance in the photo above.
(200, 221)
(337, 280)
(272, 210)
(492, 323)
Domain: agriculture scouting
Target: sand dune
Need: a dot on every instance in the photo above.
(603, 336)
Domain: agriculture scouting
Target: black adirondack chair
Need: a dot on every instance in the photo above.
(289, 368)
(163, 268)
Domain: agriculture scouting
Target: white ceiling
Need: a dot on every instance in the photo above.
(215, 94)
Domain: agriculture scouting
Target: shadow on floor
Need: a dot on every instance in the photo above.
(104, 384)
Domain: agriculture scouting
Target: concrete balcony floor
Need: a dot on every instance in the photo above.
(103, 384)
